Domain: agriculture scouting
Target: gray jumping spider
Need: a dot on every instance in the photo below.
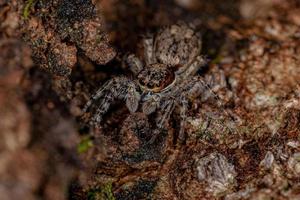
(167, 79)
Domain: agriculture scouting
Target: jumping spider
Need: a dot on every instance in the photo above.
(166, 80)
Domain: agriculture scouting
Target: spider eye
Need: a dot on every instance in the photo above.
(150, 85)
(141, 82)
(176, 67)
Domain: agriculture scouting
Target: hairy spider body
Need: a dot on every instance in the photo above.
(165, 80)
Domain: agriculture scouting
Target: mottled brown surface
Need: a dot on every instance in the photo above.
(57, 30)
(52, 61)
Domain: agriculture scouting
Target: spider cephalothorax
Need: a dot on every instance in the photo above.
(155, 78)
(163, 80)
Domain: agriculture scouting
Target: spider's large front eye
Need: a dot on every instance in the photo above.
(150, 85)
(141, 82)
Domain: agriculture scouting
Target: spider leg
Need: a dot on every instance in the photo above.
(199, 87)
(192, 68)
(149, 53)
(151, 103)
(134, 63)
(208, 89)
(132, 97)
(102, 108)
(183, 116)
(118, 88)
(217, 81)
(166, 109)
(98, 94)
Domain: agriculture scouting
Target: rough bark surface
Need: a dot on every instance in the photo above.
(55, 54)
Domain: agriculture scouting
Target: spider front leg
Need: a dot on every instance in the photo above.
(118, 88)
(166, 110)
(217, 80)
(134, 64)
(199, 87)
(183, 117)
(192, 68)
(151, 103)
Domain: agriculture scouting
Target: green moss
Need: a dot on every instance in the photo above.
(85, 144)
(29, 4)
(106, 192)
(103, 193)
(208, 129)
(203, 133)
